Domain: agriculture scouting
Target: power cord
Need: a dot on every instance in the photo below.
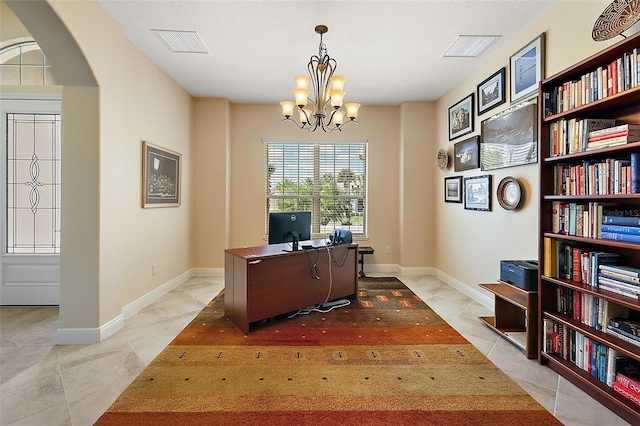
(321, 307)
(314, 265)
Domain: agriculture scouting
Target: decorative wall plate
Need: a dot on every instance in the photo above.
(509, 193)
(443, 159)
(619, 16)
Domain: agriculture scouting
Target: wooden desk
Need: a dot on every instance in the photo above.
(262, 282)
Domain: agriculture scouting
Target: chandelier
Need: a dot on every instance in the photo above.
(325, 111)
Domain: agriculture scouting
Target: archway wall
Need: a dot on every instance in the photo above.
(113, 99)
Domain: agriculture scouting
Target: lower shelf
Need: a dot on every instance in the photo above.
(596, 389)
(516, 336)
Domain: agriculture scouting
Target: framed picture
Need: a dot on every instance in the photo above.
(491, 92)
(161, 176)
(510, 138)
(477, 193)
(461, 118)
(453, 189)
(526, 69)
(466, 154)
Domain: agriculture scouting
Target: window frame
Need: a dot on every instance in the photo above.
(320, 230)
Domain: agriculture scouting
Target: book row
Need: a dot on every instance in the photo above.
(588, 309)
(607, 80)
(568, 136)
(600, 361)
(589, 219)
(598, 177)
(590, 267)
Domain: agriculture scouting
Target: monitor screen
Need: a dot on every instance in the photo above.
(285, 227)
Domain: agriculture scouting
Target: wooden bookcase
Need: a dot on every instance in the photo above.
(624, 107)
(515, 316)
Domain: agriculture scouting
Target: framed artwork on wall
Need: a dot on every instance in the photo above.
(526, 69)
(461, 118)
(161, 176)
(453, 189)
(466, 154)
(510, 138)
(491, 92)
(477, 193)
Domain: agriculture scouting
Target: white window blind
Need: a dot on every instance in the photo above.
(328, 179)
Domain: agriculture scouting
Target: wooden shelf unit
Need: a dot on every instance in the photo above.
(625, 107)
(515, 316)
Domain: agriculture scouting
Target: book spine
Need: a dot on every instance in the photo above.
(631, 230)
(621, 220)
(627, 393)
(635, 172)
(628, 382)
(620, 237)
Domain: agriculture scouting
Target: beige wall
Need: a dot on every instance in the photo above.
(470, 243)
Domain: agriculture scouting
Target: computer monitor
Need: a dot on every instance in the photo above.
(285, 227)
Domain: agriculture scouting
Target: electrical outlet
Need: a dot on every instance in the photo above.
(388, 249)
(154, 269)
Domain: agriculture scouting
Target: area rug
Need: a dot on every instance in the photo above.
(387, 358)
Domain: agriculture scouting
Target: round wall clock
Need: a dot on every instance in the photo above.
(619, 16)
(443, 159)
(509, 193)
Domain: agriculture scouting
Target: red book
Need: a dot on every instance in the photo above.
(628, 382)
(627, 393)
(576, 271)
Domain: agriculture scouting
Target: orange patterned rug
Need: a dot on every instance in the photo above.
(385, 359)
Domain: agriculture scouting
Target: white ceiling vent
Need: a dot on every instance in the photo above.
(181, 41)
(469, 46)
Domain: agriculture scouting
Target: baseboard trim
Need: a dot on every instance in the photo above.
(144, 301)
(476, 295)
(208, 272)
(88, 336)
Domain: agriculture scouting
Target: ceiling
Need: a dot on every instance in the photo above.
(390, 51)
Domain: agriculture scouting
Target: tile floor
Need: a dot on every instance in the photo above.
(45, 384)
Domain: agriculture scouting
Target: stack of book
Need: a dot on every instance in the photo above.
(620, 279)
(625, 329)
(617, 135)
(620, 228)
(628, 387)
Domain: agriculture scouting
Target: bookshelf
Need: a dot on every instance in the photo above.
(515, 316)
(573, 305)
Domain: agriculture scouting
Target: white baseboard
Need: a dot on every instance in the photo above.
(144, 301)
(476, 295)
(207, 272)
(89, 336)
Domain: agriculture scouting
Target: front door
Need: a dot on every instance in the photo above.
(30, 202)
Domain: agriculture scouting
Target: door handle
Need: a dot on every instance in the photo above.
(255, 262)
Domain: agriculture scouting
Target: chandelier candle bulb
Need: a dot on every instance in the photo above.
(327, 88)
(336, 98)
(287, 108)
(302, 97)
(338, 81)
(302, 81)
(352, 110)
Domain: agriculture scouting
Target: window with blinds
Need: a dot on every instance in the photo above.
(328, 179)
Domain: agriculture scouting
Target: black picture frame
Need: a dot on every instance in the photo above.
(526, 69)
(466, 154)
(461, 117)
(510, 138)
(491, 93)
(477, 193)
(161, 176)
(453, 189)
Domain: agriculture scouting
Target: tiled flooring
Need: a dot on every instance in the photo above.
(45, 384)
